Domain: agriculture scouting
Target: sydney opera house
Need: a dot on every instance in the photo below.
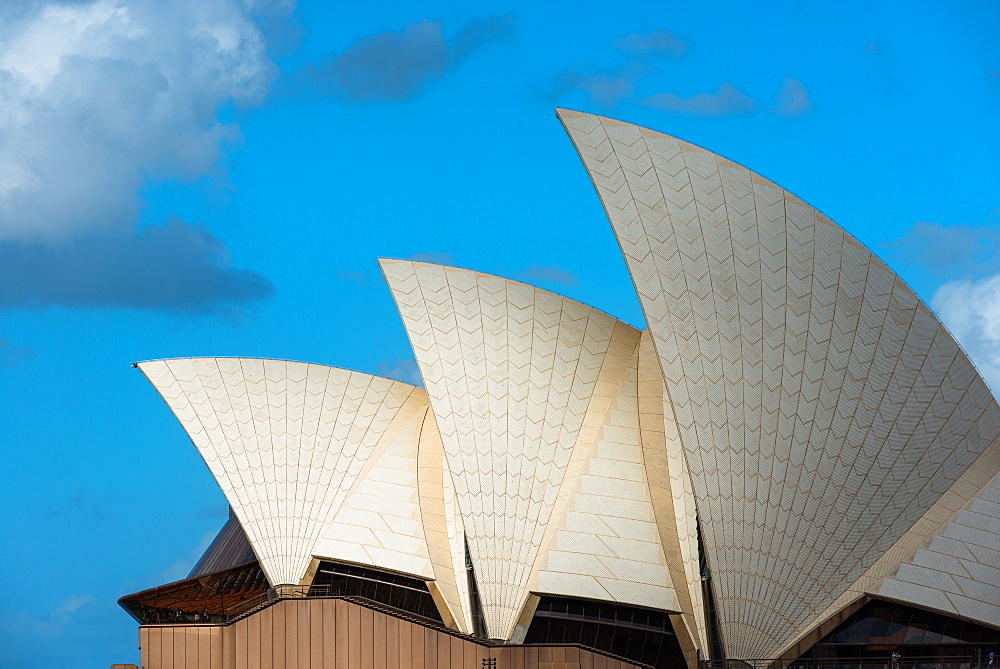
(794, 464)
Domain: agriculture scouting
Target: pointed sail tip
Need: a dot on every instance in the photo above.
(569, 113)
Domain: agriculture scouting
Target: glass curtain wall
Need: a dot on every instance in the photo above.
(637, 634)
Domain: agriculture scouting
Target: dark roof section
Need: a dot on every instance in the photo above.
(229, 549)
(210, 598)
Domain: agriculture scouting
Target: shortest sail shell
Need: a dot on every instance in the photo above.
(286, 441)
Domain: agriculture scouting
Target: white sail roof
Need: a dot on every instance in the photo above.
(792, 403)
(521, 382)
(821, 406)
(286, 441)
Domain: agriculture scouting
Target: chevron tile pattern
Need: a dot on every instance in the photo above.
(958, 570)
(792, 403)
(287, 442)
(510, 371)
(606, 544)
(379, 522)
(929, 550)
(821, 407)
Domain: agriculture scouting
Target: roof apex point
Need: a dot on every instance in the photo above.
(570, 113)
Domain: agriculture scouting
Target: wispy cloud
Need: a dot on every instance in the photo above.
(434, 257)
(970, 305)
(47, 626)
(950, 250)
(604, 87)
(882, 54)
(643, 58)
(70, 605)
(97, 99)
(181, 567)
(401, 369)
(12, 354)
(357, 276)
(655, 42)
(214, 511)
(79, 631)
(640, 55)
(792, 100)
(175, 267)
(477, 33)
(552, 273)
(78, 506)
(727, 100)
(394, 66)
(877, 48)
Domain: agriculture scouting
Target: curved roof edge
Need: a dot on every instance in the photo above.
(278, 437)
(139, 364)
(803, 372)
(562, 113)
(519, 282)
(551, 367)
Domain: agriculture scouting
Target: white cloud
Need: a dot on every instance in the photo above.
(97, 97)
(970, 309)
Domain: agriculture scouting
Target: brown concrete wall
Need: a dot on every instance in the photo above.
(181, 647)
(338, 634)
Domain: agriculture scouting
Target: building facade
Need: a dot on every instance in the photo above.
(793, 463)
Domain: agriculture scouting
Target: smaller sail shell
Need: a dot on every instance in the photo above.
(286, 441)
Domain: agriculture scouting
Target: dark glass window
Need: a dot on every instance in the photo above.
(393, 590)
(858, 633)
(954, 631)
(637, 634)
(879, 628)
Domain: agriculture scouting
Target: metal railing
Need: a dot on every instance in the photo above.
(149, 615)
(971, 658)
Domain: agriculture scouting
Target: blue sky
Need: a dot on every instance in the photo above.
(218, 177)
